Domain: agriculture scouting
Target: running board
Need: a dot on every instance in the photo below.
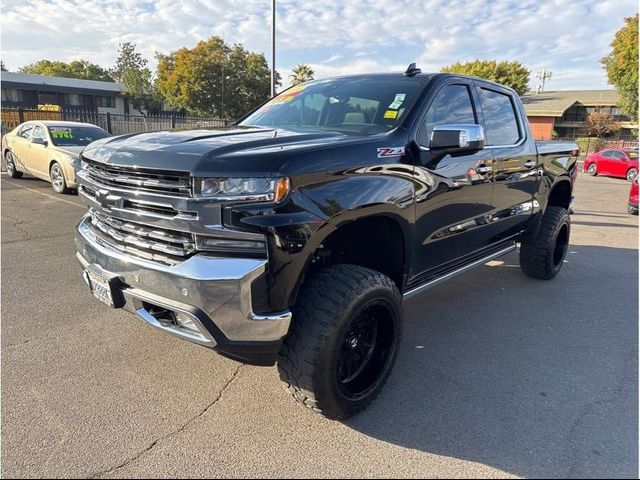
(436, 281)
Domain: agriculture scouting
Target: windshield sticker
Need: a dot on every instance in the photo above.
(61, 133)
(391, 114)
(385, 152)
(287, 96)
(398, 101)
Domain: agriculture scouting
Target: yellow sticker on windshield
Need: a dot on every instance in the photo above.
(288, 95)
(391, 114)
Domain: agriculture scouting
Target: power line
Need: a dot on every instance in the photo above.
(543, 75)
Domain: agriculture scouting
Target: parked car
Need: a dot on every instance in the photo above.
(632, 206)
(614, 163)
(49, 150)
(294, 236)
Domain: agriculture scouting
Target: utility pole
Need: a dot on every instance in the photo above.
(273, 48)
(543, 75)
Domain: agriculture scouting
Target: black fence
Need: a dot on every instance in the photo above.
(114, 123)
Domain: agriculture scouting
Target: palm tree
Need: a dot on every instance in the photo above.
(302, 73)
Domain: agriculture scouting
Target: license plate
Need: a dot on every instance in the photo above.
(101, 287)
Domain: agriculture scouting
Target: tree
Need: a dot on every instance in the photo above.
(622, 65)
(2, 67)
(510, 73)
(602, 124)
(76, 69)
(214, 78)
(131, 70)
(302, 73)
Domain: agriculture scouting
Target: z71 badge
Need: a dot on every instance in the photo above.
(384, 152)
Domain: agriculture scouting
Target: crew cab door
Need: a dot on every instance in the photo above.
(515, 158)
(453, 192)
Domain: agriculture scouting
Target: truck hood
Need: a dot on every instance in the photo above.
(231, 151)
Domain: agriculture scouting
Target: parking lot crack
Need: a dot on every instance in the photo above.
(178, 430)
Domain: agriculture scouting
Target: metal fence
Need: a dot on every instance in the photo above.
(589, 145)
(114, 123)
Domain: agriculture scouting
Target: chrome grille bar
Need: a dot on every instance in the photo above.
(168, 182)
(122, 234)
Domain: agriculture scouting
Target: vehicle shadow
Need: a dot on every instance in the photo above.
(538, 379)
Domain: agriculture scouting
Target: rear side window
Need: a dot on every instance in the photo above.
(499, 117)
(451, 105)
(25, 131)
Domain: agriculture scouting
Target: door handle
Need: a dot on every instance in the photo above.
(484, 168)
(530, 163)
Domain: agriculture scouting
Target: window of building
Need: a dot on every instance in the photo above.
(46, 98)
(500, 118)
(11, 95)
(108, 102)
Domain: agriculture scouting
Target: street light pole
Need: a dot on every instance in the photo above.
(273, 48)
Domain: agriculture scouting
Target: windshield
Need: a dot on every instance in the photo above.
(75, 136)
(348, 105)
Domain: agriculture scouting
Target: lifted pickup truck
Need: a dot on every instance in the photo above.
(294, 236)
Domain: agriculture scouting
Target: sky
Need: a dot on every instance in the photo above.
(567, 37)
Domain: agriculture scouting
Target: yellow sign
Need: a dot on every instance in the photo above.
(50, 108)
(391, 114)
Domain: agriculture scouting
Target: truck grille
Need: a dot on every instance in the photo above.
(158, 244)
(172, 183)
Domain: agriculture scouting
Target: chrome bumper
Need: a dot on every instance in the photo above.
(214, 291)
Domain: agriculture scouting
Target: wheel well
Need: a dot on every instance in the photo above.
(374, 242)
(560, 195)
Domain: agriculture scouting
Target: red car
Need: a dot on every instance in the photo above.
(613, 162)
(632, 207)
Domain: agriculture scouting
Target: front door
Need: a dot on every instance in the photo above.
(453, 192)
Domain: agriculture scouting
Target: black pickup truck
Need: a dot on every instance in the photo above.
(294, 236)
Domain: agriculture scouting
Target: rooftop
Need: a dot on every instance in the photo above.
(554, 104)
(59, 82)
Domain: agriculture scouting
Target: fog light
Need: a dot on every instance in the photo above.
(186, 321)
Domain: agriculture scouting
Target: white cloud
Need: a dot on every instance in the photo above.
(333, 37)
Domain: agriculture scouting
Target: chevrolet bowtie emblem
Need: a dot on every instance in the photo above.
(102, 196)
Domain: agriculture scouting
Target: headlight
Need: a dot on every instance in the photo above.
(242, 189)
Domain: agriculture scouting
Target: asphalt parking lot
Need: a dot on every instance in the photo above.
(500, 375)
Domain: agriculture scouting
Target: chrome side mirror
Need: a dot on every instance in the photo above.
(457, 137)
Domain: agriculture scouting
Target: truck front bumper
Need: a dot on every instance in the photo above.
(212, 294)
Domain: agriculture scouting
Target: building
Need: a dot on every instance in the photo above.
(22, 90)
(564, 113)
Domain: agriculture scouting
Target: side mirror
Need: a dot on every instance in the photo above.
(40, 141)
(457, 137)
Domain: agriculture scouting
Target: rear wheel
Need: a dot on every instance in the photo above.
(58, 181)
(543, 251)
(12, 170)
(344, 340)
(632, 173)
(592, 170)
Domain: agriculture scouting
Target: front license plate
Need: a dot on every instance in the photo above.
(101, 287)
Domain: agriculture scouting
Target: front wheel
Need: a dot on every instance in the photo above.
(344, 340)
(592, 170)
(58, 181)
(10, 160)
(632, 173)
(543, 250)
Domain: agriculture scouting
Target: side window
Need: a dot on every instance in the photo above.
(25, 131)
(607, 154)
(618, 155)
(38, 132)
(499, 117)
(451, 105)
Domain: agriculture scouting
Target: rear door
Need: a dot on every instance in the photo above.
(516, 160)
(20, 144)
